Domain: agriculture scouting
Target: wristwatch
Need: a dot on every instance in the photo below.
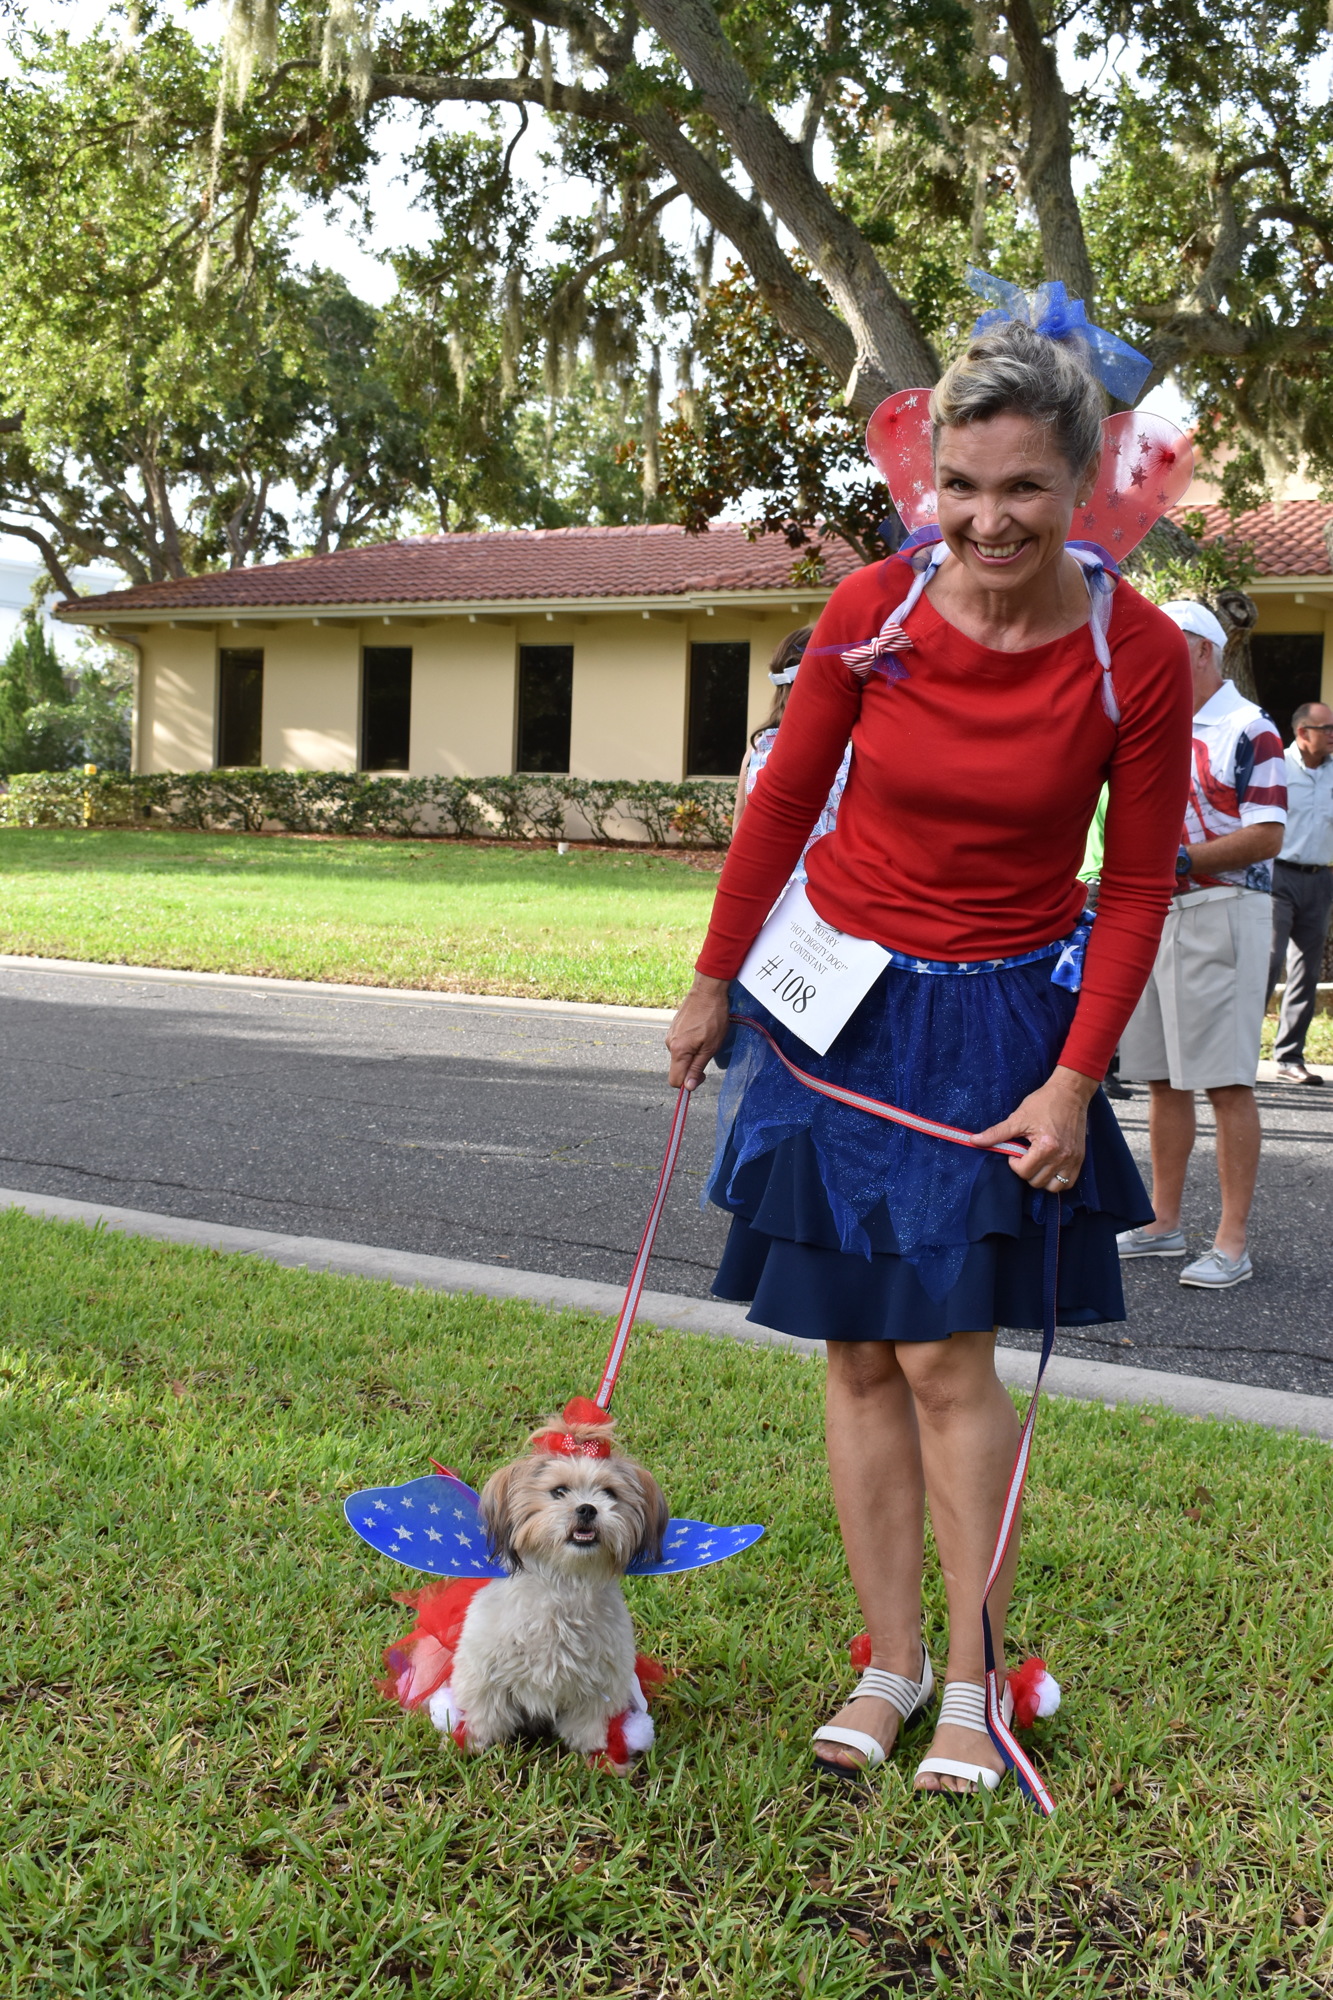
(1183, 863)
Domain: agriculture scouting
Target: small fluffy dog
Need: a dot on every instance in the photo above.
(549, 1648)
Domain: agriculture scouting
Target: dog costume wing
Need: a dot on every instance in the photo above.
(428, 1524)
(694, 1545)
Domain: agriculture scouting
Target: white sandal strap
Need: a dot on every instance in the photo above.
(855, 1739)
(964, 1705)
(897, 1690)
(949, 1767)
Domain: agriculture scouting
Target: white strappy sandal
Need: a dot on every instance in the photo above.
(909, 1697)
(963, 1704)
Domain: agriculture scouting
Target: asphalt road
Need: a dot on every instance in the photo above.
(526, 1138)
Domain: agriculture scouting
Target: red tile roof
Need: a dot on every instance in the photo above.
(541, 564)
(1291, 540)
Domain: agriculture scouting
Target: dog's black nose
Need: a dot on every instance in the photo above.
(585, 1514)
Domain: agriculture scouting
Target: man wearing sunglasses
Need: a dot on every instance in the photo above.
(1303, 886)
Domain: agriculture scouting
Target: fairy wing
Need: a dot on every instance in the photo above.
(1147, 465)
(694, 1545)
(429, 1524)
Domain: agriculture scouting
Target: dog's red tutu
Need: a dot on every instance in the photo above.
(423, 1659)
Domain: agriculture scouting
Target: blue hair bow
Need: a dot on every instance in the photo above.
(1050, 310)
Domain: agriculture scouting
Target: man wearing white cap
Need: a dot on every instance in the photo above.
(1198, 1024)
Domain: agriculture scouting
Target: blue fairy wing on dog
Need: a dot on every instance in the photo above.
(694, 1545)
(429, 1524)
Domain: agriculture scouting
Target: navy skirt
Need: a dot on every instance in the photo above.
(845, 1227)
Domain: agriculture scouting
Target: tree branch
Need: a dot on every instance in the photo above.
(890, 352)
(794, 302)
(55, 568)
(1047, 162)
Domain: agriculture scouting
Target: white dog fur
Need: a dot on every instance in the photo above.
(550, 1647)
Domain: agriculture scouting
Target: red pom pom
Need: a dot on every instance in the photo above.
(616, 1747)
(860, 1651)
(1025, 1686)
(649, 1673)
(582, 1410)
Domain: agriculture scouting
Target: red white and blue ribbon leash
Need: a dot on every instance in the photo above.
(1003, 1737)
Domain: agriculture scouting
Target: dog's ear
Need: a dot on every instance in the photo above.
(496, 1516)
(656, 1517)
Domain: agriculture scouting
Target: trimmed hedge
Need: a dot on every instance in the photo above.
(695, 812)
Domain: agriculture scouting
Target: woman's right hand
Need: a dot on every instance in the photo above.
(698, 1031)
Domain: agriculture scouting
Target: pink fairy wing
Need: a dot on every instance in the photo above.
(898, 440)
(1147, 465)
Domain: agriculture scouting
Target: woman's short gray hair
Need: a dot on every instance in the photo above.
(1012, 368)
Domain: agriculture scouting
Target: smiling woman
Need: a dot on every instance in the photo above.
(991, 678)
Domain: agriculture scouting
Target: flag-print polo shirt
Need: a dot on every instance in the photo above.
(1239, 778)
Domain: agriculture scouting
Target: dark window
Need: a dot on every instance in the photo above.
(545, 700)
(240, 708)
(1288, 668)
(386, 708)
(719, 703)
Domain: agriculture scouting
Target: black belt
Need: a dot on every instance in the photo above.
(1304, 867)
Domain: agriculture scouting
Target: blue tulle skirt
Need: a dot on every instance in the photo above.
(845, 1227)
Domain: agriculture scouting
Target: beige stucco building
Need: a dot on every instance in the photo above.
(611, 653)
(621, 653)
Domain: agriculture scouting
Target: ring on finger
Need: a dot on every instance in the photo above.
(1059, 1180)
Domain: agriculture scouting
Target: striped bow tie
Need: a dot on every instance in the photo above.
(867, 657)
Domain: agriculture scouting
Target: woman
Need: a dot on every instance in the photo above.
(974, 777)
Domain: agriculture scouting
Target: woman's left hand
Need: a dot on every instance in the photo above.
(1054, 1121)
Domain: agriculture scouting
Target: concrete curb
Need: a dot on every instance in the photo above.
(1084, 1381)
(245, 982)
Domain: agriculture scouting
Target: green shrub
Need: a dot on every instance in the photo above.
(695, 812)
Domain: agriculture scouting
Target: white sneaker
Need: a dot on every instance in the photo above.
(1214, 1271)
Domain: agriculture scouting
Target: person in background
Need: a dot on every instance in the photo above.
(1303, 886)
(1090, 874)
(782, 670)
(1198, 1024)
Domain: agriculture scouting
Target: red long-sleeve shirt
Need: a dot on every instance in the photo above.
(972, 787)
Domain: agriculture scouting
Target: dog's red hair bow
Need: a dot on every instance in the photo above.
(583, 1416)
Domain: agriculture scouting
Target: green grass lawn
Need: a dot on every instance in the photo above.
(592, 925)
(204, 1794)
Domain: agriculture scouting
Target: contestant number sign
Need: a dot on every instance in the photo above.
(808, 975)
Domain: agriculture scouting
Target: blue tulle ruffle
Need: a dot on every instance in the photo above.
(794, 1167)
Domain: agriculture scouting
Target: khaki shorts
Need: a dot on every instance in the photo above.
(1202, 1012)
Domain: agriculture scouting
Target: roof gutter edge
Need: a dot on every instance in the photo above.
(72, 613)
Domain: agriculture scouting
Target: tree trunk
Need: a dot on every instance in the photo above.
(890, 351)
(1047, 163)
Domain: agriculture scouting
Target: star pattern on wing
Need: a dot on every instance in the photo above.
(458, 1548)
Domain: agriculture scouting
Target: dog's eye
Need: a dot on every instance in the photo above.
(610, 1493)
(559, 1492)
